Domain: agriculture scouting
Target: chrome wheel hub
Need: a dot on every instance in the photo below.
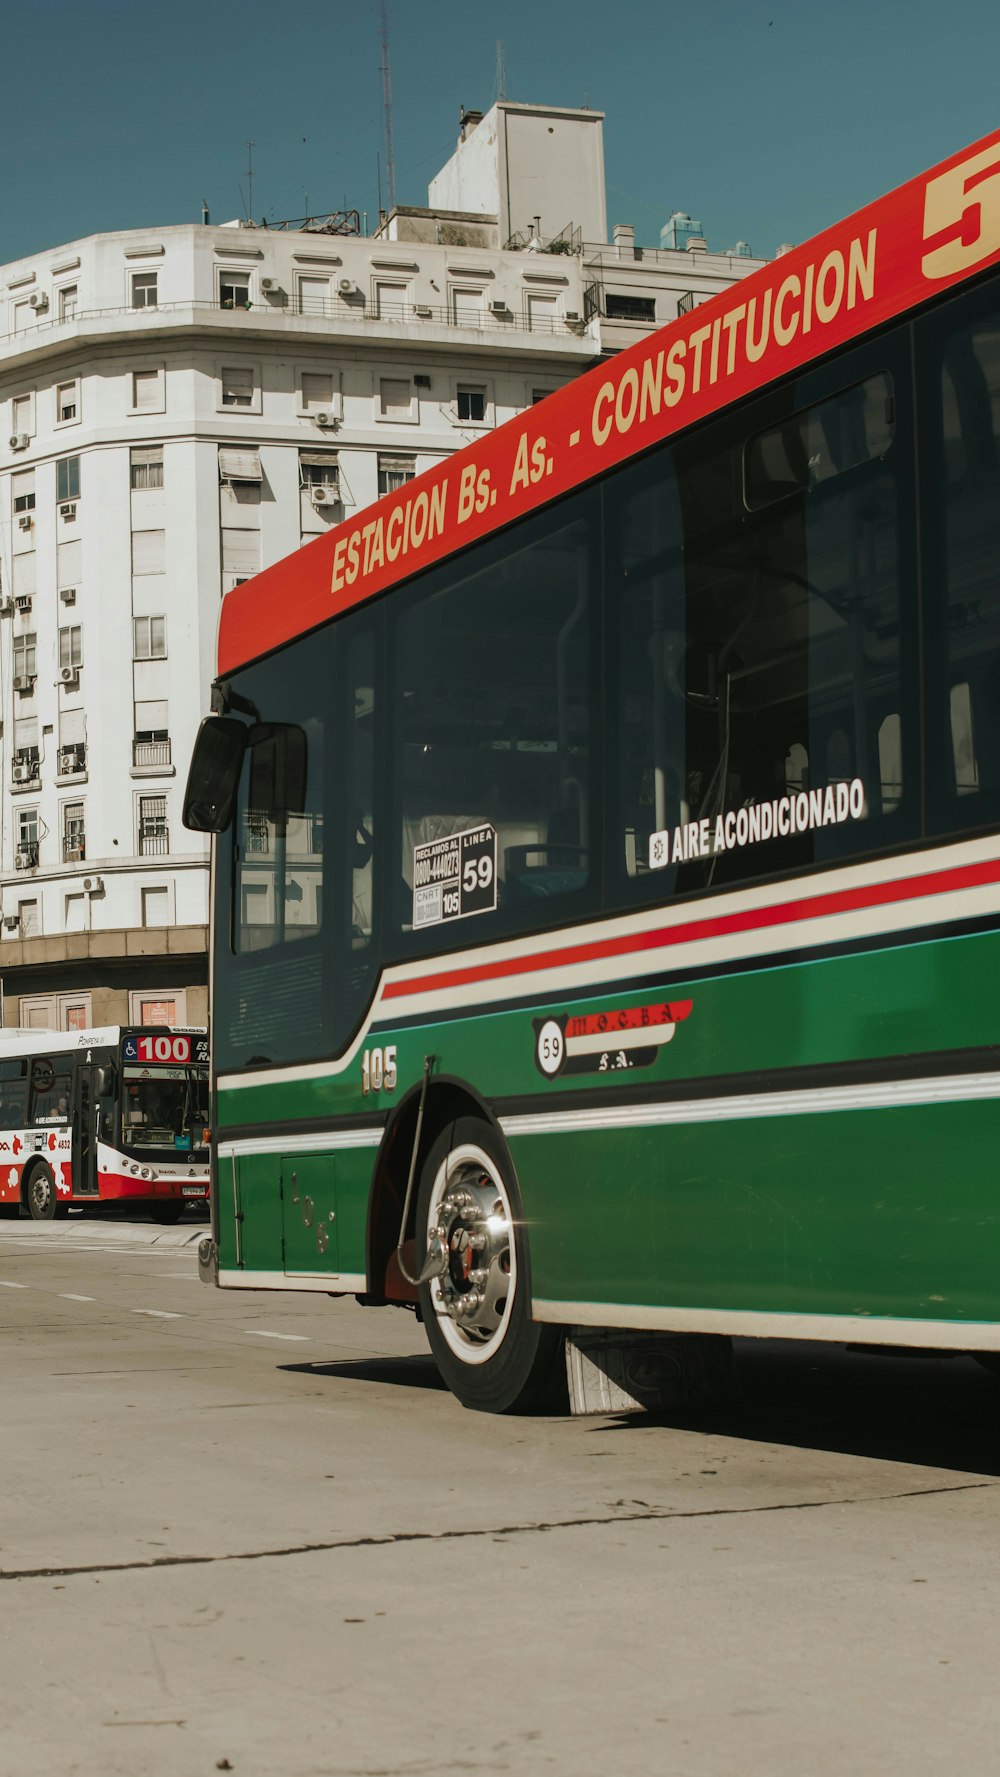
(470, 1229)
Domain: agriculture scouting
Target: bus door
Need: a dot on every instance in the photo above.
(85, 1096)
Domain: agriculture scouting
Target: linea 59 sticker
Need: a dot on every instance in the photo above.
(455, 877)
(606, 1042)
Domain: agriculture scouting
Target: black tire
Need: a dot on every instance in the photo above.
(39, 1193)
(167, 1213)
(505, 1363)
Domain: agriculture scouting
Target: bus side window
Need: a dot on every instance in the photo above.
(958, 354)
(51, 1077)
(13, 1094)
(492, 710)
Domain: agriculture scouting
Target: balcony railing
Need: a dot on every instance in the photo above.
(335, 308)
(154, 842)
(152, 753)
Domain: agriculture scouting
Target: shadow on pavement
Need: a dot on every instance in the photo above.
(932, 1411)
(391, 1372)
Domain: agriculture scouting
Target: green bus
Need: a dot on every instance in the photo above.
(606, 871)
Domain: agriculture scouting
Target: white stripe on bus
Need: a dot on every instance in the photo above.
(883, 1095)
(743, 1323)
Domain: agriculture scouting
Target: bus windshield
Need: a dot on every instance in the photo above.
(166, 1111)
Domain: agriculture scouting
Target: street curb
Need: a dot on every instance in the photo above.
(104, 1233)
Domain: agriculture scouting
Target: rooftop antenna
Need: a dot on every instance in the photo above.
(390, 164)
(250, 149)
(501, 71)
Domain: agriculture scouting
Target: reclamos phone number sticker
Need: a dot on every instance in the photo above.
(456, 877)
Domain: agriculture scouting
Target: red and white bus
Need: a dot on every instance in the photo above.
(95, 1116)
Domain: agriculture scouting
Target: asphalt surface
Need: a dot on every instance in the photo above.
(252, 1532)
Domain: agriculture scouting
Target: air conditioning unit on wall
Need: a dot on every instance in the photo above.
(38, 300)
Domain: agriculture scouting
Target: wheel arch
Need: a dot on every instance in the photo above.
(448, 1098)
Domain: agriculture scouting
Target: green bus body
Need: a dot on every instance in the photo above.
(607, 916)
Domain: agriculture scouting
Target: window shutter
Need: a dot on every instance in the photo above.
(317, 391)
(240, 551)
(149, 552)
(69, 560)
(468, 308)
(24, 574)
(146, 390)
(239, 465)
(72, 729)
(152, 716)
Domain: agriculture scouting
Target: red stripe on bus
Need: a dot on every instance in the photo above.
(910, 888)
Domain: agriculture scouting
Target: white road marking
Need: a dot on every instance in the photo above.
(64, 1296)
(158, 1313)
(259, 1333)
(14, 1286)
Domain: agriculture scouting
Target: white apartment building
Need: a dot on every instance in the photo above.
(182, 406)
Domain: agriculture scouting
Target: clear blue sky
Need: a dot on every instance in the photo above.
(767, 119)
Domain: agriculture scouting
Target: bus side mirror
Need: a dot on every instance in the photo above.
(214, 774)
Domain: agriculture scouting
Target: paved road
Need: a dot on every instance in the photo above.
(253, 1533)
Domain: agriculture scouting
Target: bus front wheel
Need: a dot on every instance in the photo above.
(477, 1305)
(40, 1194)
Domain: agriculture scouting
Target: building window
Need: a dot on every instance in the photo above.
(240, 467)
(72, 756)
(147, 391)
(319, 469)
(395, 398)
(149, 552)
(68, 302)
(151, 745)
(27, 838)
(71, 647)
(30, 926)
(68, 478)
(74, 843)
(234, 290)
(67, 402)
(470, 403)
(154, 836)
(75, 920)
(468, 307)
(240, 551)
(144, 1008)
(318, 392)
(144, 289)
(149, 638)
(314, 295)
(23, 486)
(394, 472)
(392, 301)
(630, 308)
(147, 467)
(25, 659)
(156, 906)
(237, 387)
(22, 422)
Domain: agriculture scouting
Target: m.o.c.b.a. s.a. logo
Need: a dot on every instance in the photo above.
(606, 1042)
